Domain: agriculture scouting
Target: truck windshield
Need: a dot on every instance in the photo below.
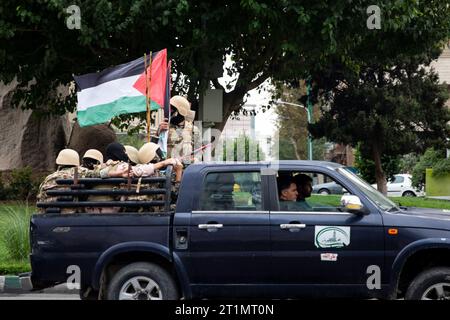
(374, 195)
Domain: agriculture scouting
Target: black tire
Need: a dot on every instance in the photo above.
(408, 194)
(425, 280)
(324, 191)
(161, 277)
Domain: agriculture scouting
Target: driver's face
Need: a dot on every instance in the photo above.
(290, 194)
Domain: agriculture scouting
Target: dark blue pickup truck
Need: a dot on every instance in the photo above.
(228, 238)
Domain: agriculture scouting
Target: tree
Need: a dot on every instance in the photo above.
(282, 40)
(366, 166)
(389, 109)
(432, 158)
(292, 125)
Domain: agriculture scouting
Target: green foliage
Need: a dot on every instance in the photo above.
(4, 192)
(389, 110)
(441, 168)
(420, 202)
(262, 38)
(335, 200)
(135, 140)
(14, 231)
(14, 267)
(434, 159)
(22, 184)
(366, 166)
(408, 162)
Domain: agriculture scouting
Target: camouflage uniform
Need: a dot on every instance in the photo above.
(103, 172)
(49, 183)
(154, 197)
(181, 139)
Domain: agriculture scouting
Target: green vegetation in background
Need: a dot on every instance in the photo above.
(22, 184)
(136, 140)
(14, 231)
(434, 159)
(14, 267)
(437, 186)
(262, 43)
(334, 200)
(366, 166)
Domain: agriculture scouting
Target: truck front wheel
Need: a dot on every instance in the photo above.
(431, 284)
(142, 281)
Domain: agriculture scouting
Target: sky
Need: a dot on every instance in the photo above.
(264, 122)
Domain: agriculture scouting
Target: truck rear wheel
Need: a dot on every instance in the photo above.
(142, 281)
(431, 284)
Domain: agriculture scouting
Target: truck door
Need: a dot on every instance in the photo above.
(317, 248)
(228, 240)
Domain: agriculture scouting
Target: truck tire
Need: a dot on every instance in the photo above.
(431, 284)
(142, 281)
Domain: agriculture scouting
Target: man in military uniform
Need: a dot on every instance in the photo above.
(150, 165)
(132, 154)
(92, 159)
(182, 132)
(68, 162)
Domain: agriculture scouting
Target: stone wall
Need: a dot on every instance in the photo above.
(28, 140)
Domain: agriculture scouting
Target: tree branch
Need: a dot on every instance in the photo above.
(216, 84)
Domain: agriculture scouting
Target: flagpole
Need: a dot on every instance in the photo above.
(148, 80)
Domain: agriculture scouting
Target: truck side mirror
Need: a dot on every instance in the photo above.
(352, 204)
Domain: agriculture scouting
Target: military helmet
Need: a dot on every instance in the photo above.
(132, 153)
(94, 154)
(68, 157)
(182, 104)
(148, 152)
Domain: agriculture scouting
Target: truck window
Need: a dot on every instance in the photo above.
(308, 191)
(231, 191)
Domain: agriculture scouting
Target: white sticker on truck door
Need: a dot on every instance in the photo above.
(331, 236)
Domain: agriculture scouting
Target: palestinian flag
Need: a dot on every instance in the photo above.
(121, 90)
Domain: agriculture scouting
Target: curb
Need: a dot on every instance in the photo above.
(12, 284)
(18, 284)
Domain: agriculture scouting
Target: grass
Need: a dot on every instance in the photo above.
(14, 238)
(420, 202)
(14, 267)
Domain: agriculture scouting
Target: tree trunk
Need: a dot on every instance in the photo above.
(380, 176)
(294, 144)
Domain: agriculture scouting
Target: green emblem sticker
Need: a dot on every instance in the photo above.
(331, 236)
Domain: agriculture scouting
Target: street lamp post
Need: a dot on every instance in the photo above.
(309, 117)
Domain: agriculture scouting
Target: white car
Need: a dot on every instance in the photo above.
(401, 186)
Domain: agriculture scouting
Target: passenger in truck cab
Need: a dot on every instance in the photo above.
(304, 189)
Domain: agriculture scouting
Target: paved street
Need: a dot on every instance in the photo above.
(39, 296)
